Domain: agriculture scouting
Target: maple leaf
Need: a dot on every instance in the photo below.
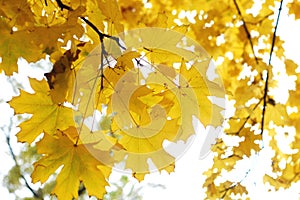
(33, 46)
(160, 108)
(290, 66)
(166, 79)
(294, 8)
(10, 52)
(110, 9)
(248, 144)
(141, 130)
(78, 165)
(47, 116)
(19, 12)
(140, 146)
(277, 114)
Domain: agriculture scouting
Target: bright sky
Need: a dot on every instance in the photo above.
(186, 182)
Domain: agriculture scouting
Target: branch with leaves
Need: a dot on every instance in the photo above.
(230, 33)
(246, 29)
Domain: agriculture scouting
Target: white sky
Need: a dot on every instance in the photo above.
(186, 182)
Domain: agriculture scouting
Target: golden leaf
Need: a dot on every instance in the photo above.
(245, 147)
(47, 116)
(291, 67)
(78, 165)
(294, 8)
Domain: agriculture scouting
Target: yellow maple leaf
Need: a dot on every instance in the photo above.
(154, 100)
(277, 113)
(78, 165)
(143, 143)
(142, 129)
(248, 144)
(193, 81)
(165, 81)
(19, 13)
(10, 52)
(290, 66)
(35, 40)
(190, 96)
(110, 9)
(47, 116)
(294, 8)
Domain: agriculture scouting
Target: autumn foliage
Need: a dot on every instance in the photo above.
(143, 65)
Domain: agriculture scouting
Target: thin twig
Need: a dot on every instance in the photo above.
(35, 193)
(227, 189)
(267, 75)
(246, 120)
(246, 29)
(235, 184)
(260, 20)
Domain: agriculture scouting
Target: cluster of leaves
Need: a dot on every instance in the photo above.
(234, 36)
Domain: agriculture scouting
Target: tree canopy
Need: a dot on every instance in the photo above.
(128, 75)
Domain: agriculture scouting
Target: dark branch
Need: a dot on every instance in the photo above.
(35, 193)
(264, 103)
(267, 75)
(63, 6)
(100, 34)
(246, 29)
(274, 34)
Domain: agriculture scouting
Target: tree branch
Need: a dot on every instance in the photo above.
(246, 29)
(274, 34)
(260, 20)
(235, 184)
(35, 193)
(63, 6)
(100, 34)
(246, 120)
(267, 75)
